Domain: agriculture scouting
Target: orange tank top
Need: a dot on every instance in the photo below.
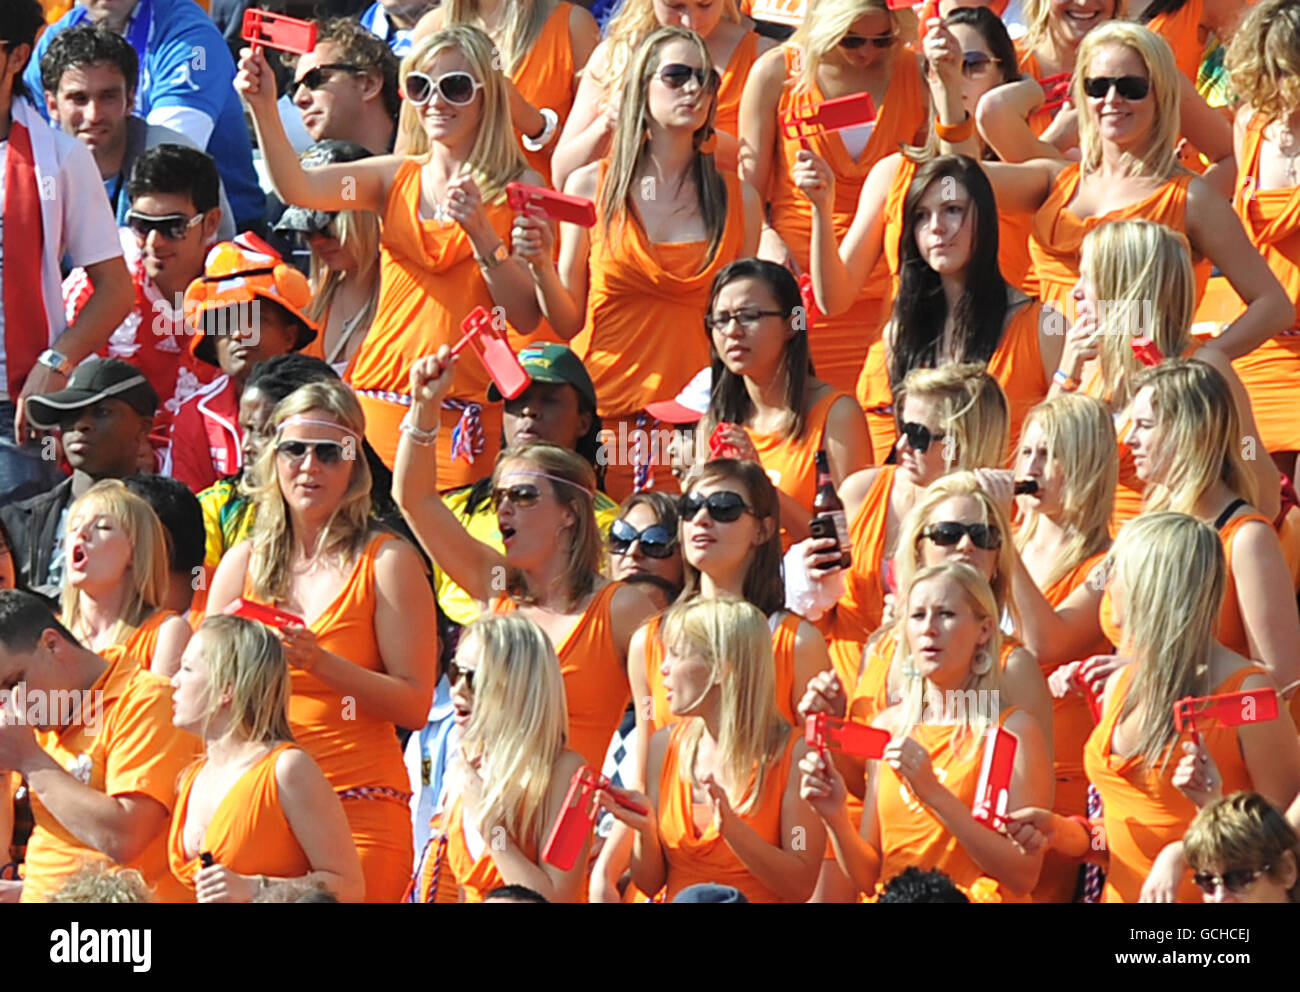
(477, 874)
(1271, 216)
(858, 612)
(639, 291)
(354, 749)
(1182, 29)
(544, 77)
(727, 116)
(1143, 811)
(248, 833)
(316, 348)
(595, 678)
(143, 644)
(693, 856)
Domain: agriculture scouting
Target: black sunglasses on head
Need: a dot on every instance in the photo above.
(313, 78)
(919, 437)
(678, 74)
(950, 532)
(1128, 87)
(656, 541)
(724, 506)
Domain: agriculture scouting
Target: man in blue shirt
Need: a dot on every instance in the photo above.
(186, 77)
(392, 21)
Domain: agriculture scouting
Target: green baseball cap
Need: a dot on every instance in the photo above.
(554, 363)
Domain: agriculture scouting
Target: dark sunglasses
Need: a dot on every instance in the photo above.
(456, 87)
(173, 227)
(723, 506)
(454, 673)
(854, 41)
(522, 496)
(1236, 881)
(314, 78)
(1128, 87)
(656, 541)
(919, 437)
(325, 452)
(678, 74)
(950, 532)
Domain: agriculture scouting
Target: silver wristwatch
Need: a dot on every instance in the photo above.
(494, 258)
(55, 361)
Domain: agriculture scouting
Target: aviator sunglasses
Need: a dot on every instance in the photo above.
(678, 74)
(326, 452)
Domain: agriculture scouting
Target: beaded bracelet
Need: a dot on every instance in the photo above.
(416, 434)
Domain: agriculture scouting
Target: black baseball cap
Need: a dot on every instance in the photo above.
(92, 381)
(301, 220)
(553, 363)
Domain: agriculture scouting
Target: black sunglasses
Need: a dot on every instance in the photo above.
(678, 74)
(313, 78)
(325, 452)
(919, 437)
(173, 227)
(522, 495)
(724, 506)
(1128, 87)
(950, 532)
(454, 673)
(1236, 881)
(656, 541)
(854, 41)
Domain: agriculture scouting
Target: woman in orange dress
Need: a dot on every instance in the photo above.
(444, 227)
(550, 570)
(255, 809)
(363, 659)
(722, 790)
(771, 406)
(843, 47)
(1166, 625)
(115, 578)
(668, 221)
(589, 131)
(512, 773)
(542, 47)
(1188, 26)
(921, 794)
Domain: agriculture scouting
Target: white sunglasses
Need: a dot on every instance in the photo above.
(457, 88)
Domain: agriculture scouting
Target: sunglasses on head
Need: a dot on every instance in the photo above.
(919, 437)
(522, 496)
(1236, 881)
(454, 673)
(456, 87)
(325, 452)
(724, 506)
(678, 74)
(655, 541)
(1128, 87)
(950, 532)
(314, 78)
(173, 227)
(855, 41)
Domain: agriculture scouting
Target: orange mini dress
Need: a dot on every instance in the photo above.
(465, 863)
(248, 833)
(1182, 29)
(727, 117)
(1142, 810)
(544, 77)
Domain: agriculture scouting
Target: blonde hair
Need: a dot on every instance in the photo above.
(824, 24)
(358, 231)
(1264, 58)
(1038, 23)
(1080, 436)
(520, 721)
(103, 882)
(1157, 157)
(1173, 574)
(345, 535)
(1141, 273)
(245, 657)
(732, 638)
(495, 158)
(628, 28)
(1200, 435)
(146, 581)
(632, 135)
(520, 29)
(972, 411)
(585, 546)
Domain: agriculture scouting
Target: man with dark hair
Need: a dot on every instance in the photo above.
(514, 893)
(182, 518)
(52, 205)
(93, 738)
(346, 87)
(915, 885)
(105, 416)
(89, 75)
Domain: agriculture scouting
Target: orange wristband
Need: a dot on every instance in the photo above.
(955, 132)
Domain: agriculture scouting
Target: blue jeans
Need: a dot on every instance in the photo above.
(23, 472)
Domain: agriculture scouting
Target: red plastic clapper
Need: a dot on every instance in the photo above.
(1230, 709)
(718, 448)
(900, 4)
(833, 115)
(557, 206)
(288, 34)
(493, 349)
(268, 615)
(1146, 351)
(828, 733)
(992, 794)
(1094, 699)
(811, 313)
(1056, 90)
(578, 817)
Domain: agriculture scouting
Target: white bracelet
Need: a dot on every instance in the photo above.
(552, 120)
(417, 435)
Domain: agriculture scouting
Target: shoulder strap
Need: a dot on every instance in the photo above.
(1226, 515)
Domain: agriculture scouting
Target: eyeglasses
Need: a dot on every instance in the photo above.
(655, 541)
(724, 506)
(950, 532)
(678, 74)
(976, 64)
(854, 41)
(455, 672)
(919, 437)
(522, 496)
(313, 79)
(457, 88)
(1236, 881)
(173, 227)
(1128, 87)
(748, 318)
(325, 452)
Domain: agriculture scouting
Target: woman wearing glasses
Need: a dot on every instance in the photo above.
(589, 132)
(842, 48)
(1241, 849)
(363, 659)
(644, 548)
(668, 220)
(550, 569)
(769, 404)
(1167, 629)
(444, 231)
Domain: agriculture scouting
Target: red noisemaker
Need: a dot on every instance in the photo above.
(262, 613)
(833, 115)
(1229, 709)
(1056, 90)
(288, 34)
(718, 448)
(493, 349)
(992, 794)
(1146, 352)
(578, 817)
(827, 733)
(557, 206)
